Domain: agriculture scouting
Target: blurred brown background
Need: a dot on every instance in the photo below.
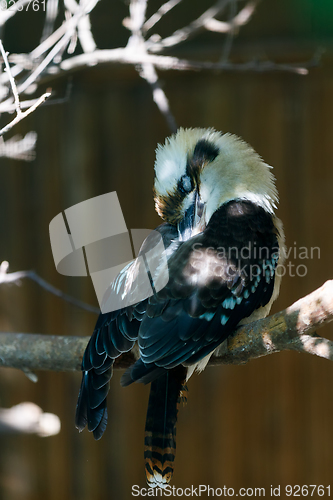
(262, 424)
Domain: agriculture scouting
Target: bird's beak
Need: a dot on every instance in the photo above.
(193, 221)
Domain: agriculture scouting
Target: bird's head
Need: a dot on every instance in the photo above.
(198, 170)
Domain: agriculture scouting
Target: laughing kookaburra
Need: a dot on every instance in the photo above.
(223, 244)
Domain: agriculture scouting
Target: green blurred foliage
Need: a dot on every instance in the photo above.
(315, 17)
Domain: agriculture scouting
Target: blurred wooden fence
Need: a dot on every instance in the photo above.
(262, 424)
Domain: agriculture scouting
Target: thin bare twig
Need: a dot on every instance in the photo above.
(155, 18)
(60, 36)
(11, 10)
(291, 329)
(147, 71)
(8, 106)
(84, 27)
(230, 35)
(63, 42)
(53, 38)
(68, 25)
(183, 34)
(17, 276)
(20, 115)
(11, 80)
(52, 9)
(68, 30)
(243, 17)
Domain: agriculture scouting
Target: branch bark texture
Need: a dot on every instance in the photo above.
(290, 329)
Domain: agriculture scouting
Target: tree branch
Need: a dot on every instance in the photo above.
(7, 13)
(290, 329)
(19, 113)
(231, 33)
(243, 17)
(183, 34)
(126, 56)
(147, 71)
(155, 18)
(141, 52)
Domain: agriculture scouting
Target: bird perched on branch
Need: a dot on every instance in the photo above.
(223, 244)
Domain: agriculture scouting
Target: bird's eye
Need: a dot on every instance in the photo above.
(185, 184)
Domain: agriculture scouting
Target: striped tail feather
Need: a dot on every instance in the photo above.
(160, 432)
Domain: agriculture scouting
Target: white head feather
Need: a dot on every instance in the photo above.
(237, 172)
